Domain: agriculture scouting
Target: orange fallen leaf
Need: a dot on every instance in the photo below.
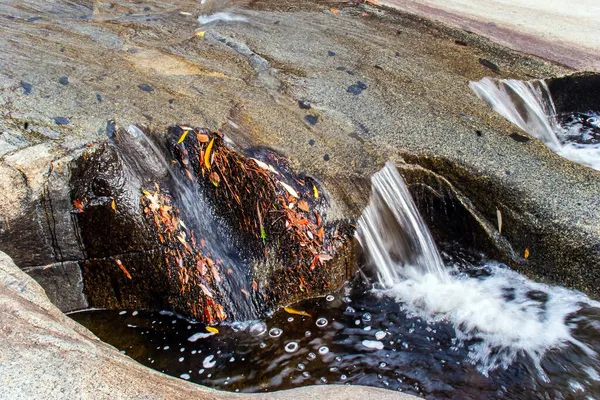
(120, 264)
(207, 155)
(526, 255)
(214, 178)
(333, 10)
(78, 205)
(202, 138)
(113, 205)
(303, 205)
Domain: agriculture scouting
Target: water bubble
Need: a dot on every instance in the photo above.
(329, 297)
(182, 349)
(307, 333)
(275, 332)
(323, 350)
(258, 328)
(347, 299)
(262, 345)
(166, 348)
(379, 335)
(185, 376)
(357, 322)
(201, 371)
(311, 356)
(181, 359)
(134, 313)
(333, 369)
(338, 359)
(291, 347)
(350, 310)
(306, 374)
(367, 328)
(366, 317)
(290, 319)
(322, 322)
(123, 313)
(343, 377)
(301, 367)
(208, 362)
(382, 365)
(323, 379)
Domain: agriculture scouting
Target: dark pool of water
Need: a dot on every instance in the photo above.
(358, 338)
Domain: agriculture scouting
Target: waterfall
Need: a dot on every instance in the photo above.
(498, 313)
(393, 234)
(143, 158)
(529, 105)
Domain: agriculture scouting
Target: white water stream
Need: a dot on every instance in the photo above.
(502, 313)
(529, 105)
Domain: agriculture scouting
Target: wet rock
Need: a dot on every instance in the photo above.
(305, 105)
(311, 119)
(519, 138)
(145, 87)
(62, 283)
(331, 53)
(357, 88)
(63, 80)
(489, 64)
(61, 121)
(27, 87)
(326, 157)
(311, 142)
(99, 97)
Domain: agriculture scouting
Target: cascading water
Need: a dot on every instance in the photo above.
(410, 248)
(529, 105)
(144, 158)
(499, 312)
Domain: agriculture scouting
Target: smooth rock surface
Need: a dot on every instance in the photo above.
(246, 78)
(558, 30)
(46, 355)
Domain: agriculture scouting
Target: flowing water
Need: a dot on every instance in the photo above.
(142, 158)
(449, 325)
(529, 105)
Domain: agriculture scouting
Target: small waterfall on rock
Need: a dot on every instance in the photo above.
(529, 105)
(393, 234)
(500, 314)
(145, 159)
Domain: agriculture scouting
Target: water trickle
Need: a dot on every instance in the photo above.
(142, 157)
(529, 105)
(392, 233)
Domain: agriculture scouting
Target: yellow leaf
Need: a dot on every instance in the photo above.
(113, 205)
(200, 34)
(526, 253)
(291, 310)
(207, 154)
(182, 138)
(316, 192)
(211, 329)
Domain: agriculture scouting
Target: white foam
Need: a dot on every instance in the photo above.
(373, 344)
(498, 310)
(199, 335)
(221, 16)
(185, 376)
(208, 362)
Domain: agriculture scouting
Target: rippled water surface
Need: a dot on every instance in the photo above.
(353, 337)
